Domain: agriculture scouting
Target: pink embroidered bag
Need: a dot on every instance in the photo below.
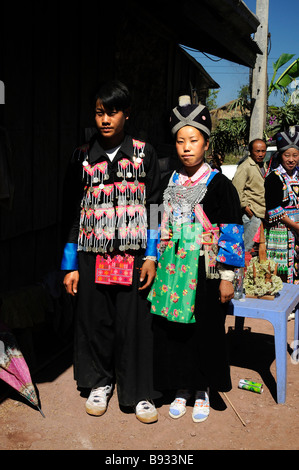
(115, 270)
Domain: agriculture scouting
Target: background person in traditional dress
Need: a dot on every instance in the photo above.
(113, 338)
(201, 243)
(282, 204)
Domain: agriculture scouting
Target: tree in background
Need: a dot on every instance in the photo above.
(232, 133)
(280, 118)
(286, 78)
(211, 101)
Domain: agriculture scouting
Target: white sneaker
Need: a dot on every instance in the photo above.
(201, 408)
(96, 404)
(146, 412)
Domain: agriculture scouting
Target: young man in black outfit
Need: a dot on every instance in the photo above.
(113, 337)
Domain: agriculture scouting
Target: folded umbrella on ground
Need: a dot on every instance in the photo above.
(14, 369)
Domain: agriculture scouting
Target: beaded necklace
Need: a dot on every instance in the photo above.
(181, 199)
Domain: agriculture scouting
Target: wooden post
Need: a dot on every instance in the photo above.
(259, 96)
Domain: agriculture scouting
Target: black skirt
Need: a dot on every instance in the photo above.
(194, 356)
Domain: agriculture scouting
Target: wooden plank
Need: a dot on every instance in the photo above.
(264, 297)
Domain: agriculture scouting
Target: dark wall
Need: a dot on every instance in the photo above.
(51, 61)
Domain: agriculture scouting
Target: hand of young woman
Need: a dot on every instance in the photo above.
(226, 290)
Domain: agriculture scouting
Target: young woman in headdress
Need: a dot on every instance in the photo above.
(201, 244)
(282, 205)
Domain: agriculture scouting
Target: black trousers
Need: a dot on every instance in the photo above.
(113, 336)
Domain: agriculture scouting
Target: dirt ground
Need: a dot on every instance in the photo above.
(66, 426)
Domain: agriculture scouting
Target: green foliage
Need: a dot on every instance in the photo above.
(232, 159)
(211, 101)
(287, 76)
(231, 135)
(290, 74)
(281, 61)
(244, 93)
(279, 119)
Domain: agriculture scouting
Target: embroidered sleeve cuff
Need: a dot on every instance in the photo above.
(276, 214)
(70, 257)
(152, 240)
(225, 273)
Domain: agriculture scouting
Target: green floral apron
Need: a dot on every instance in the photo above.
(174, 289)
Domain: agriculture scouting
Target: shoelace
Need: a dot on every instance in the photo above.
(179, 402)
(144, 406)
(201, 403)
(100, 394)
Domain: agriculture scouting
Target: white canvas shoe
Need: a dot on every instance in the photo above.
(201, 407)
(146, 412)
(97, 401)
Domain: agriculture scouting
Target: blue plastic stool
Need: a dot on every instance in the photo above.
(276, 312)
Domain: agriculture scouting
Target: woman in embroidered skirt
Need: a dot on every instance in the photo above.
(282, 205)
(201, 243)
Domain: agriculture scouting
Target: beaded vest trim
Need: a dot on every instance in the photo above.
(113, 215)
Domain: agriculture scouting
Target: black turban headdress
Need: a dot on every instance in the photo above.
(187, 114)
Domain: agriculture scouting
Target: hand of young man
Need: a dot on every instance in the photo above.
(71, 281)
